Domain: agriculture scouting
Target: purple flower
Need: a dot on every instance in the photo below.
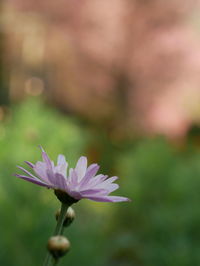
(81, 182)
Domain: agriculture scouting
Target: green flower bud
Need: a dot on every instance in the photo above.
(58, 246)
(69, 217)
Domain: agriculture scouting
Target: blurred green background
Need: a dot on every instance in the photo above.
(159, 227)
(119, 83)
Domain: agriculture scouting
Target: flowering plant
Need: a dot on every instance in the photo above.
(81, 182)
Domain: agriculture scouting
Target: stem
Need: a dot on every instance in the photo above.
(61, 219)
(55, 262)
(58, 231)
(48, 260)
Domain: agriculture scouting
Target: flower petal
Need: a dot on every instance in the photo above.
(75, 194)
(93, 192)
(32, 180)
(109, 181)
(29, 164)
(40, 170)
(60, 181)
(69, 179)
(51, 177)
(46, 158)
(74, 180)
(27, 172)
(108, 198)
(89, 174)
(97, 180)
(112, 187)
(92, 166)
(61, 159)
(62, 165)
(81, 167)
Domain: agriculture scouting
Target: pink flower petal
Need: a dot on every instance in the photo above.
(51, 177)
(97, 180)
(108, 198)
(27, 172)
(60, 182)
(109, 181)
(74, 180)
(46, 158)
(93, 192)
(32, 180)
(81, 167)
(29, 164)
(61, 167)
(61, 159)
(40, 170)
(89, 174)
(112, 187)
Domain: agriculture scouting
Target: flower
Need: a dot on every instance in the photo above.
(82, 181)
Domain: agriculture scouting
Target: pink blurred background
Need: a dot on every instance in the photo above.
(132, 67)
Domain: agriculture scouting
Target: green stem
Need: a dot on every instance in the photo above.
(58, 231)
(55, 262)
(61, 219)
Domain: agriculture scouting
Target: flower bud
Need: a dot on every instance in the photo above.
(58, 246)
(69, 217)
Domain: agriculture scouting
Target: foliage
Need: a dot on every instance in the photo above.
(159, 227)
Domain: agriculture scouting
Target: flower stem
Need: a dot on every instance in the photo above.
(61, 219)
(58, 231)
(55, 262)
